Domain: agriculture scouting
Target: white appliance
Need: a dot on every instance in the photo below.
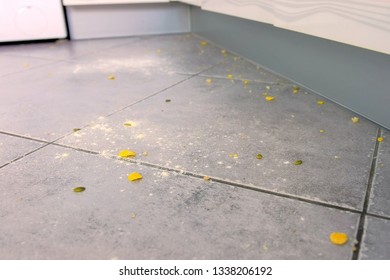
(22, 20)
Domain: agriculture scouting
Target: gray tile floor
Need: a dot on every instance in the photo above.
(189, 120)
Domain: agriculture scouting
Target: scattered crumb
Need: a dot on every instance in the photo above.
(111, 77)
(338, 238)
(355, 119)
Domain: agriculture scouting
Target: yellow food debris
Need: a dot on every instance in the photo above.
(296, 89)
(111, 77)
(267, 87)
(128, 123)
(269, 98)
(298, 162)
(230, 76)
(320, 102)
(126, 154)
(380, 139)
(206, 178)
(209, 81)
(134, 176)
(223, 52)
(338, 238)
(322, 131)
(145, 154)
(355, 119)
(79, 189)
(133, 215)
(246, 82)
(203, 43)
(259, 156)
(233, 155)
(76, 129)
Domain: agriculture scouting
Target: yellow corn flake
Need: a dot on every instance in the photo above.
(380, 139)
(296, 89)
(209, 81)
(79, 189)
(259, 156)
(206, 178)
(322, 131)
(128, 124)
(145, 154)
(224, 52)
(267, 87)
(230, 76)
(134, 176)
(111, 77)
(298, 162)
(133, 215)
(126, 154)
(203, 43)
(320, 102)
(233, 155)
(246, 82)
(269, 98)
(355, 119)
(338, 238)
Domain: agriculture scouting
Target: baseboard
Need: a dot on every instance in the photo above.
(120, 20)
(353, 77)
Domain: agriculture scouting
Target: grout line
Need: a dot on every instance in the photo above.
(26, 137)
(378, 216)
(22, 156)
(363, 214)
(190, 76)
(216, 179)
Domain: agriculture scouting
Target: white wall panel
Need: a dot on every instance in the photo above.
(363, 23)
(100, 2)
(258, 10)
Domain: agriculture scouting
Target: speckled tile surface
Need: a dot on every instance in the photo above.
(380, 195)
(218, 129)
(165, 215)
(186, 118)
(12, 147)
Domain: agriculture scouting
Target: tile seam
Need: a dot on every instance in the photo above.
(217, 180)
(364, 213)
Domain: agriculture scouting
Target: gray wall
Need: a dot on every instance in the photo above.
(356, 78)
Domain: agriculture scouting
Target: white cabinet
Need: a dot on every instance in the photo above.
(191, 2)
(258, 10)
(363, 23)
(101, 2)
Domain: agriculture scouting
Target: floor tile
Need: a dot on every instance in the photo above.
(15, 64)
(12, 148)
(380, 195)
(165, 215)
(218, 129)
(161, 54)
(52, 100)
(238, 68)
(376, 241)
(63, 49)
